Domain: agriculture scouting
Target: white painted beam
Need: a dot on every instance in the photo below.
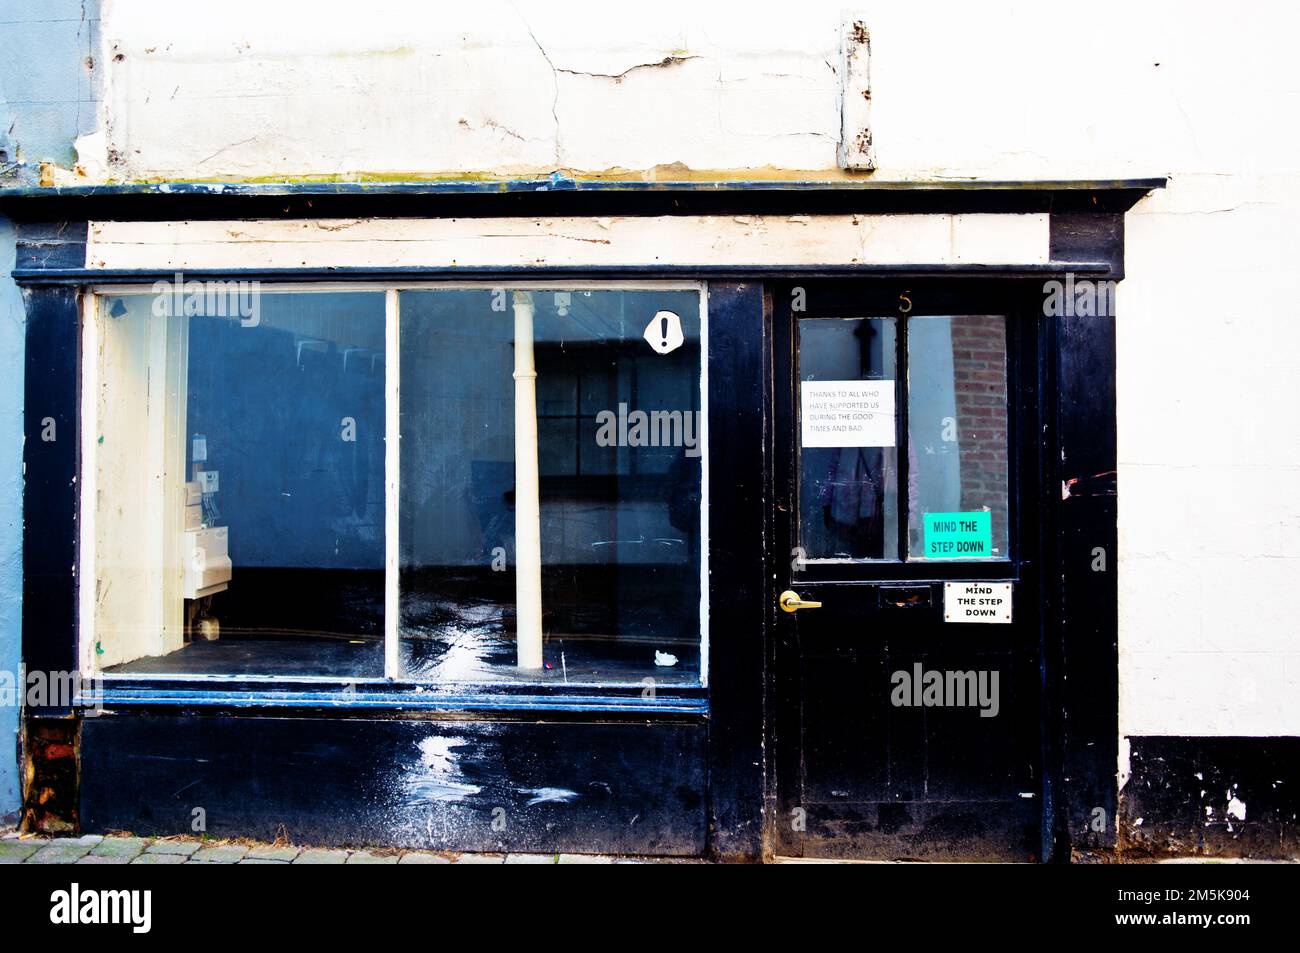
(625, 241)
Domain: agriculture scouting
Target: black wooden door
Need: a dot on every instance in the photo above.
(906, 708)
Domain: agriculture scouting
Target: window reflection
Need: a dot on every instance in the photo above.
(618, 484)
(848, 506)
(239, 507)
(957, 420)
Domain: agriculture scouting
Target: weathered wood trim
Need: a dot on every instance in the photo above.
(51, 457)
(1083, 632)
(537, 787)
(556, 195)
(738, 589)
(574, 242)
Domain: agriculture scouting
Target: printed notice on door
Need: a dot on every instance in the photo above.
(847, 413)
(977, 602)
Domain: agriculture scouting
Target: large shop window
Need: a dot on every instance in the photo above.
(470, 485)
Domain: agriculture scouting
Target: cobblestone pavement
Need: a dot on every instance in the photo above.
(94, 849)
(18, 848)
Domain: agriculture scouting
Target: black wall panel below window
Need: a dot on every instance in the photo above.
(624, 788)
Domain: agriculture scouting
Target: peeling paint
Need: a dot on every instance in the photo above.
(437, 777)
(855, 151)
(627, 240)
(548, 795)
(1236, 808)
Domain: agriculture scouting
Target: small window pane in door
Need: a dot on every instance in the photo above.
(848, 494)
(957, 427)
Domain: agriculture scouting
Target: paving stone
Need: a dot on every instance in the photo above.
(59, 852)
(97, 849)
(585, 859)
(280, 854)
(322, 857)
(125, 847)
(90, 840)
(224, 854)
(17, 851)
(365, 857)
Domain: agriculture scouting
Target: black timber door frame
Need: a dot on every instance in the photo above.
(1031, 516)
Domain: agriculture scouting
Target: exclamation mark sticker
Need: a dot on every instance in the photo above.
(664, 332)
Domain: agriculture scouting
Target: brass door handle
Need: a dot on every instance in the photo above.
(790, 602)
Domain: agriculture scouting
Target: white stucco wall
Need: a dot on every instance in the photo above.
(1208, 340)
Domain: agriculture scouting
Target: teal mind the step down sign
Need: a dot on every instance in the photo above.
(959, 535)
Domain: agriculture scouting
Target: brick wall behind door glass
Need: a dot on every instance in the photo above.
(980, 377)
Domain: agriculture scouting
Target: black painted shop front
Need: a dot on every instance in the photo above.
(796, 729)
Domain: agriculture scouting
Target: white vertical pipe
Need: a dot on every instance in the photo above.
(528, 513)
(392, 481)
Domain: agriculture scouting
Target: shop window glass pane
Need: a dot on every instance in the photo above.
(239, 483)
(957, 420)
(617, 488)
(847, 433)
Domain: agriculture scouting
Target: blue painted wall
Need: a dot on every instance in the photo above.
(11, 515)
(48, 97)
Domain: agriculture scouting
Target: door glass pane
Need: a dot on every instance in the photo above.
(847, 434)
(615, 499)
(239, 482)
(957, 422)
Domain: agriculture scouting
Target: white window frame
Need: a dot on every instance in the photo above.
(90, 315)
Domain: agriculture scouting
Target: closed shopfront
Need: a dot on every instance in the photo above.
(679, 520)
